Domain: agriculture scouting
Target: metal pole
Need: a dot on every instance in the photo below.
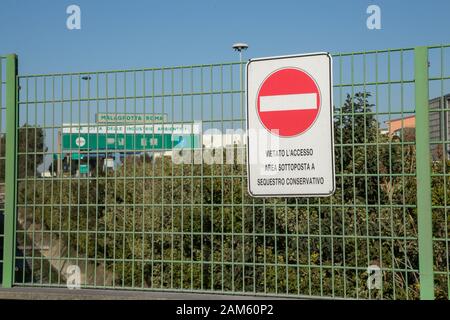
(59, 155)
(423, 159)
(240, 77)
(10, 174)
(445, 106)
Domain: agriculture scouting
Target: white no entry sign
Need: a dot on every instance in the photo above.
(290, 126)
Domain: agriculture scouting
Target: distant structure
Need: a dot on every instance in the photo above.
(439, 126)
(396, 125)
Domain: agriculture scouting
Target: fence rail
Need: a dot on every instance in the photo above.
(121, 208)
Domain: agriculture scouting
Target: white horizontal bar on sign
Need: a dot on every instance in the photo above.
(288, 102)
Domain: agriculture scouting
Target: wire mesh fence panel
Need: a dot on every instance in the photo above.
(373, 209)
(137, 179)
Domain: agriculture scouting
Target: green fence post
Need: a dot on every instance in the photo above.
(423, 158)
(10, 174)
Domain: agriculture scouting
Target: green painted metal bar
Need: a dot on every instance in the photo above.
(424, 215)
(10, 174)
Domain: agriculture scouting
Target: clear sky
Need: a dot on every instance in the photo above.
(135, 34)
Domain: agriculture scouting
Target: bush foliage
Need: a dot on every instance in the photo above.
(153, 223)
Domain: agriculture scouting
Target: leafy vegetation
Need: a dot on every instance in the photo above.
(153, 223)
(31, 148)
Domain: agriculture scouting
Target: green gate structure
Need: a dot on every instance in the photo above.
(153, 223)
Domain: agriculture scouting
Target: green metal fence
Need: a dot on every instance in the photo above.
(439, 83)
(2, 154)
(152, 223)
(8, 166)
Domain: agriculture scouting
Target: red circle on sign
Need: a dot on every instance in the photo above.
(288, 102)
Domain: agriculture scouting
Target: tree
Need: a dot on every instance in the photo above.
(356, 134)
(31, 149)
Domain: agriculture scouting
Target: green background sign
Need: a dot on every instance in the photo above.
(131, 142)
(84, 168)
